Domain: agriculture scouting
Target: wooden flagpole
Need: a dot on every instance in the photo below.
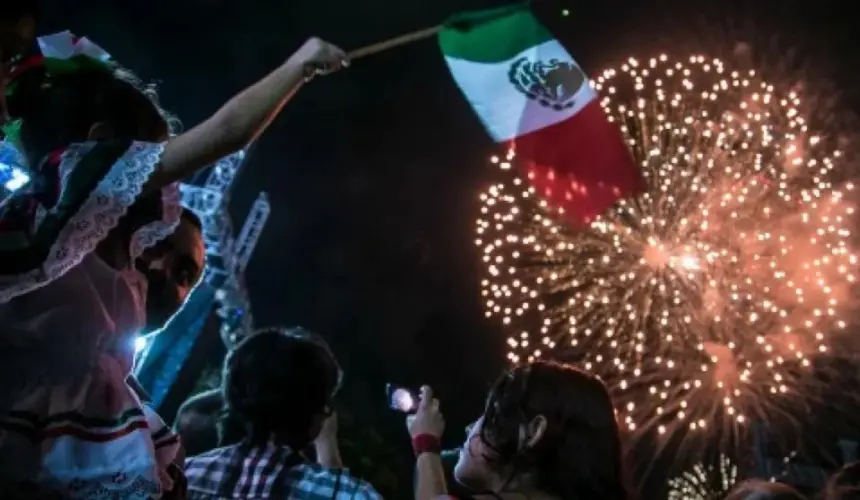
(397, 41)
(312, 70)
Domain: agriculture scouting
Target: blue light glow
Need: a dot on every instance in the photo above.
(17, 179)
(140, 344)
(13, 174)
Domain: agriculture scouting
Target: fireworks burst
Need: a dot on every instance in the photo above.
(705, 483)
(704, 299)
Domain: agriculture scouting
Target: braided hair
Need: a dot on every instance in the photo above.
(579, 455)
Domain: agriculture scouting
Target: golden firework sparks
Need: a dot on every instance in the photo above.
(706, 297)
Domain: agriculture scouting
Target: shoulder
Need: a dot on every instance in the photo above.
(206, 460)
(345, 486)
(362, 490)
(206, 473)
(358, 489)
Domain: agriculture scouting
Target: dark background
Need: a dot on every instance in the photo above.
(373, 174)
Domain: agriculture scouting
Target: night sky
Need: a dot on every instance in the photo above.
(373, 173)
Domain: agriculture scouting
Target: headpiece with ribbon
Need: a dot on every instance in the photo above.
(59, 54)
(62, 53)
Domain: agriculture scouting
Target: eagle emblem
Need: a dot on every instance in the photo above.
(553, 83)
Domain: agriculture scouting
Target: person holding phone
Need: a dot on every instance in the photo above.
(548, 432)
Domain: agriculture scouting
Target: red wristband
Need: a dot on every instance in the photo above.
(426, 443)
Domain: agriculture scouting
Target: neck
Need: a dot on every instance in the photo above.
(295, 443)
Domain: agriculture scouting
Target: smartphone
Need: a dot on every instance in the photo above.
(401, 399)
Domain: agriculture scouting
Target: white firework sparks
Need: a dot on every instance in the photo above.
(705, 482)
(705, 298)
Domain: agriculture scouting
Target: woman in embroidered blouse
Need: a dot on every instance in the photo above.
(104, 168)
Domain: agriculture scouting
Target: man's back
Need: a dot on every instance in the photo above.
(244, 471)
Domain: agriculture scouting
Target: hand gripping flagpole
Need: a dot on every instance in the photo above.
(312, 70)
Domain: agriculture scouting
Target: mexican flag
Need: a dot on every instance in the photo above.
(532, 95)
(61, 53)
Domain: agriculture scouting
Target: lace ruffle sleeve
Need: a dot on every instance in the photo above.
(75, 198)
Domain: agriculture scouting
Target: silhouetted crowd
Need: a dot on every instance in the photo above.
(548, 431)
(96, 248)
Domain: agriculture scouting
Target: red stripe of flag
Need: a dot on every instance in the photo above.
(581, 164)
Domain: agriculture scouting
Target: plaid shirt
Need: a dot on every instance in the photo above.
(271, 471)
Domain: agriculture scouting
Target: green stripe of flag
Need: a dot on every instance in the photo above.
(491, 36)
(77, 62)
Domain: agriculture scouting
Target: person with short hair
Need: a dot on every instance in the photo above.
(548, 432)
(172, 267)
(280, 384)
(197, 422)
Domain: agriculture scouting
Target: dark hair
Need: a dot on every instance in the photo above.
(844, 484)
(231, 429)
(60, 110)
(579, 456)
(758, 489)
(191, 217)
(278, 382)
(196, 422)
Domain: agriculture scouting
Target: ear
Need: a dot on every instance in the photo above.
(532, 433)
(99, 132)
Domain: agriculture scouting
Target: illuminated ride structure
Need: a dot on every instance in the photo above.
(217, 312)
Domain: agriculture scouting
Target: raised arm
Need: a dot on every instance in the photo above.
(426, 428)
(430, 481)
(244, 117)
